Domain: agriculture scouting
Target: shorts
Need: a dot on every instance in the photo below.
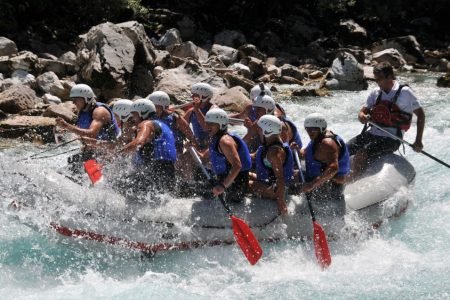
(374, 145)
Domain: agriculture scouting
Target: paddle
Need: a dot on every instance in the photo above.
(181, 106)
(49, 149)
(409, 144)
(94, 170)
(242, 232)
(320, 238)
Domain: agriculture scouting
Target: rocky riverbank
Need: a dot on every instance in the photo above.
(122, 61)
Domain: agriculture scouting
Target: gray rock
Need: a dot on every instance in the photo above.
(17, 98)
(51, 99)
(7, 47)
(170, 38)
(49, 83)
(346, 74)
(391, 55)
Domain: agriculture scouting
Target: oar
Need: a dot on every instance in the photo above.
(242, 232)
(320, 238)
(180, 106)
(50, 149)
(94, 170)
(409, 144)
(236, 121)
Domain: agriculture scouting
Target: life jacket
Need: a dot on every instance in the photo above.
(170, 121)
(252, 115)
(108, 132)
(296, 135)
(161, 148)
(219, 162)
(386, 113)
(265, 173)
(200, 135)
(315, 168)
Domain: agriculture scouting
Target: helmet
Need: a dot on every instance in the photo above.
(218, 116)
(83, 91)
(144, 107)
(270, 125)
(203, 89)
(122, 108)
(265, 102)
(260, 90)
(316, 120)
(159, 98)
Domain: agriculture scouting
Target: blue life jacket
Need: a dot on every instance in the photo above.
(315, 168)
(170, 121)
(265, 173)
(219, 162)
(296, 136)
(201, 135)
(161, 148)
(108, 131)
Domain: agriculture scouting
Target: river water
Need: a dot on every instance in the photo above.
(406, 258)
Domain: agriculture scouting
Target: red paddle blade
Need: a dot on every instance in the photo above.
(321, 246)
(246, 240)
(94, 170)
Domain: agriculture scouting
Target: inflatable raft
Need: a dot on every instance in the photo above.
(50, 202)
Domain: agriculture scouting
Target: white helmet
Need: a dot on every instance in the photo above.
(316, 120)
(83, 91)
(265, 102)
(160, 98)
(218, 116)
(122, 108)
(144, 107)
(260, 90)
(203, 89)
(270, 125)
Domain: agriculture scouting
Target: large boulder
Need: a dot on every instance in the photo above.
(135, 31)
(177, 81)
(17, 98)
(7, 47)
(24, 60)
(346, 74)
(170, 38)
(188, 50)
(226, 54)
(30, 127)
(391, 55)
(49, 83)
(352, 33)
(234, 99)
(66, 110)
(407, 46)
(106, 58)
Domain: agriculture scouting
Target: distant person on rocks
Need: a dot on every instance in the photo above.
(95, 120)
(391, 106)
(327, 165)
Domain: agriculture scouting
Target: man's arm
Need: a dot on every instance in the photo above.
(145, 133)
(100, 117)
(276, 156)
(420, 113)
(329, 153)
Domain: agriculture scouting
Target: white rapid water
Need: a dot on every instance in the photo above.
(407, 258)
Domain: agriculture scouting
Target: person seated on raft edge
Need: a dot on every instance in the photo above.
(274, 163)
(122, 113)
(390, 106)
(202, 94)
(153, 148)
(180, 129)
(229, 157)
(95, 120)
(327, 164)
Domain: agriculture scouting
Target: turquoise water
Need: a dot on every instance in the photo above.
(408, 257)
